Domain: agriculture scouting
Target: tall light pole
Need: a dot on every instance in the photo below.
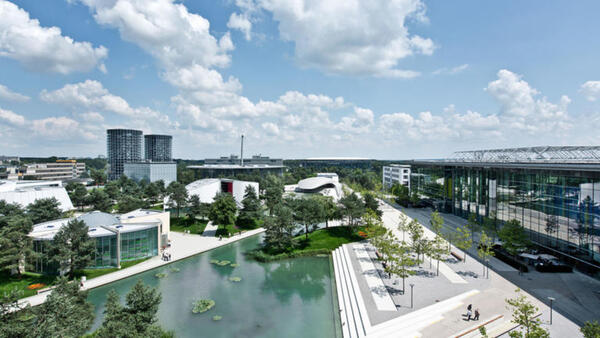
(411, 295)
(552, 299)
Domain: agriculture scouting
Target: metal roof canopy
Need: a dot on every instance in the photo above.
(543, 154)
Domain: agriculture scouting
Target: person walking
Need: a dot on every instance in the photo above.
(476, 314)
(469, 314)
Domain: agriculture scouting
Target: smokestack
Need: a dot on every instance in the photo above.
(242, 152)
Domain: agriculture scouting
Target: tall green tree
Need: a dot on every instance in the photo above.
(129, 203)
(137, 318)
(437, 222)
(330, 209)
(72, 248)
(309, 212)
(372, 204)
(279, 229)
(352, 208)
(100, 200)
(402, 194)
(8, 210)
(16, 317)
(197, 209)
(513, 236)
(250, 212)
(177, 195)
(65, 313)
(113, 190)
(16, 247)
(591, 329)
(463, 240)
(223, 209)
(403, 223)
(523, 314)
(437, 251)
(43, 210)
(98, 175)
(152, 192)
(273, 192)
(79, 196)
(485, 252)
(417, 238)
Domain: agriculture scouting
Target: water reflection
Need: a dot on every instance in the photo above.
(301, 277)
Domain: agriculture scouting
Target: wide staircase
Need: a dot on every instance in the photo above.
(353, 312)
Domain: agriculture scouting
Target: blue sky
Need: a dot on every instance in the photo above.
(380, 79)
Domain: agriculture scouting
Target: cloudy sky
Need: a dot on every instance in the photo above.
(389, 79)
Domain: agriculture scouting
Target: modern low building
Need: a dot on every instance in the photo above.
(396, 173)
(151, 171)
(232, 170)
(326, 186)
(329, 162)
(254, 160)
(119, 238)
(26, 192)
(554, 192)
(207, 189)
(60, 170)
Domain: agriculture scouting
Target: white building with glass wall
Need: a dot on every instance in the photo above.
(24, 193)
(396, 173)
(151, 171)
(206, 189)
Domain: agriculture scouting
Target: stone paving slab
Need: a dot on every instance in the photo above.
(379, 292)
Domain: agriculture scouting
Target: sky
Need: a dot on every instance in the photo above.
(385, 79)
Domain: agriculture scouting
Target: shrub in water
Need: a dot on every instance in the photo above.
(202, 305)
(235, 279)
(217, 318)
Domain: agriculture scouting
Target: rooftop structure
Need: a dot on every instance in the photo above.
(123, 145)
(542, 154)
(27, 192)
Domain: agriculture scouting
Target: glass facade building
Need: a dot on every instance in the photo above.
(139, 244)
(558, 204)
(151, 171)
(123, 145)
(157, 148)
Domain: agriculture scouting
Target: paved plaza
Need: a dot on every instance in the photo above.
(439, 301)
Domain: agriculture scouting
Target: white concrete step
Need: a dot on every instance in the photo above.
(342, 297)
(349, 308)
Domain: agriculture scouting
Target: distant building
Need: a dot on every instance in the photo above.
(60, 170)
(332, 176)
(123, 145)
(151, 171)
(236, 160)
(119, 238)
(27, 192)
(323, 185)
(8, 159)
(325, 162)
(231, 170)
(158, 148)
(207, 189)
(396, 173)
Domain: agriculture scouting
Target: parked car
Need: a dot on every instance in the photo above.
(552, 265)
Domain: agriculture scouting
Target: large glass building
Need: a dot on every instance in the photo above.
(554, 192)
(118, 238)
(151, 171)
(123, 145)
(157, 148)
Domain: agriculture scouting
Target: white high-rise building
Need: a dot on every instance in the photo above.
(396, 173)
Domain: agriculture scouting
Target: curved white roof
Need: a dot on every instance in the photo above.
(27, 192)
(313, 183)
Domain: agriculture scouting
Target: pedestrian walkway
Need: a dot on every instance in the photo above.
(210, 230)
(182, 246)
(380, 295)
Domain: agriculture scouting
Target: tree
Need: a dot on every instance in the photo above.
(113, 190)
(8, 210)
(98, 175)
(417, 238)
(196, 208)
(129, 203)
(137, 318)
(437, 250)
(352, 208)
(464, 240)
(372, 204)
(414, 197)
(308, 212)
(472, 224)
(330, 209)
(79, 195)
(512, 236)
(396, 256)
(177, 195)
(223, 209)
(16, 318)
(437, 222)
(403, 225)
(484, 251)
(72, 248)
(402, 194)
(523, 313)
(273, 192)
(489, 225)
(16, 247)
(250, 212)
(152, 192)
(591, 329)
(65, 313)
(43, 210)
(279, 229)
(99, 200)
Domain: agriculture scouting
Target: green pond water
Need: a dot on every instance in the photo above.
(288, 298)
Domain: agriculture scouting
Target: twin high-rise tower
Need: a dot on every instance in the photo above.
(125, 146)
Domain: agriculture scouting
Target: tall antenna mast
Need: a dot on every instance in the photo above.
(242, 152)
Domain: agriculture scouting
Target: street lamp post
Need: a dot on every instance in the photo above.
(411, 295)
(552, 299)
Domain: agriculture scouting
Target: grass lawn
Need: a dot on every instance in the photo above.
(93, 273)
(185, 223)
(224, 230)
(8, 282)
(157, 207)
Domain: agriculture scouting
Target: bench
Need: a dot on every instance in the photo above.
(457, 256)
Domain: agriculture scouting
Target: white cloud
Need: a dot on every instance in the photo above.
(351, 37)
(9, 95)
(271, 128)
(198, 78)
(451, 71)
(591, 90)
(241, 23)
(11, 117)
(92, 117)
(44, 49)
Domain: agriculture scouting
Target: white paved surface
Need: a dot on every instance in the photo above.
(379, 292)
(182, 246)
(210, 230)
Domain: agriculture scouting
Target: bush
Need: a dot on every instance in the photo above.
(510, 260)
(246, 222)
(202, 305)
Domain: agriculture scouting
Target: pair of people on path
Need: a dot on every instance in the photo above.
(469, 313)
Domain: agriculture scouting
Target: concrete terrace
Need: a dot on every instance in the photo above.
(373, 305)
(182, 246)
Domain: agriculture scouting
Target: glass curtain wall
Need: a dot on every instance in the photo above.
(560, 210)
(139, 244)
(106, 252)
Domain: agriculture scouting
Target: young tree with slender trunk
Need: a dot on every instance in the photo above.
(485, 252)
(417, 238)
(437, 251)
(523, 314)
(403, 226)
(437, 222)
(463, 240)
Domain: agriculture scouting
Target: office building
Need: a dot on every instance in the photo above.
(24, 193)
(60, 170)
(158, 148)
(123, 145)
(396, 173)
(151, 171)
(554, 192)
(329, 162)
(119, 238)
(207, 189)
